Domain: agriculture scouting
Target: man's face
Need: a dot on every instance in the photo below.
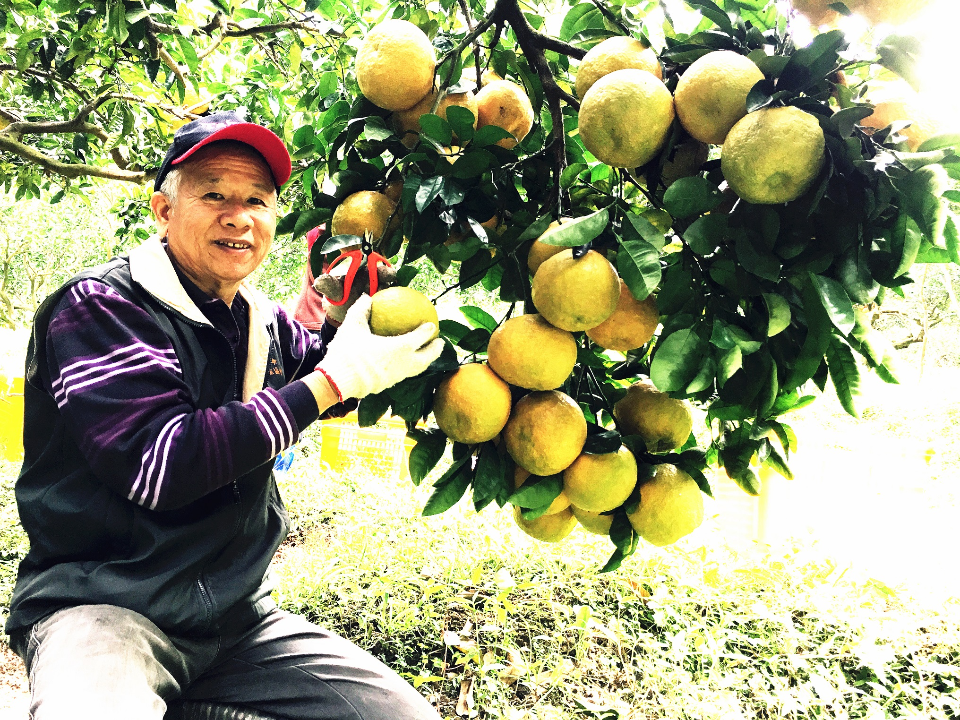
(222, 225)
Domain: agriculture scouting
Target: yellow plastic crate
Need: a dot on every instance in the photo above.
(11, 418)
(384, 448)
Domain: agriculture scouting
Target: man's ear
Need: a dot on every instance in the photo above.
(161, 207)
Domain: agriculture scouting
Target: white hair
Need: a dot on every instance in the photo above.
(171, 185)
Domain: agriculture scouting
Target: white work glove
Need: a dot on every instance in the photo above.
(360, 363)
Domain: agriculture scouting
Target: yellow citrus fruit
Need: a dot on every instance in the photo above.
(899, 102)
(407, 122)
(893, 12)
(549, 528)
(561, 502)
(631, 326)
(686, 161)
(395, 65)
(610, 117)
(546, 432)
(362, 212)
(772, 156)
(601, 482)
(529, 352)
(712, 94)
(541, 250)
(615, 53)
(596, 523)
(576, 293)
(488, 76)
(394, 190)
(671, 506)
(505, 104)
(472, 405)
(818, 12)
(663, 422)
(398, 310)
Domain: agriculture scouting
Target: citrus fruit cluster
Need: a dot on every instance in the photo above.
(514, 398)
(411, 93)
(770, 156)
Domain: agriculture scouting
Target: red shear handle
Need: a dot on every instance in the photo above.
(356, 258)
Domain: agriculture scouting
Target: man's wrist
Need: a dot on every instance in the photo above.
(323, 390)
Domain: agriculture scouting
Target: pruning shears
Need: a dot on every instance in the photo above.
(357, 259)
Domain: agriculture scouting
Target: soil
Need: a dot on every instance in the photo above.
(14, 689)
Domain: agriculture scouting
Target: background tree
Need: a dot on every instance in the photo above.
(758, 303)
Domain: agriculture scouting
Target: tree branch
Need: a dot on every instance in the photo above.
(530, 43)
(70, 170)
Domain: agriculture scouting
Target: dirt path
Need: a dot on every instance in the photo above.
(14, 691)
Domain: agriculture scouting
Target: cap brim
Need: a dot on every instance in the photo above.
(260, 139)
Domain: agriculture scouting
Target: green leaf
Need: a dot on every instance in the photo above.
(405, 274)
(940, 142)
(676, 360)
(638, 263)
(451, 329)
(756, 261)
(461, 122)
(808, 65)
(374, 128)
(436, 128)
(624, 537)
(429, 189)
(706, 233)
(475, 340)
(836, 302)
(906, 243)
(600, 443)
(479, 318)
(450, 487)
(426, 453)
(372, 408)
(711, 10)
(570, 174)
(844, 373)
(537, 491)
(951, 238)
(691, 196)
(189, 52)
(536, 229)
(847, 119)
(308, 220)
(579, 231)
(778, 313)
(472, 163)
(644, 228)
(489, 135)
(491, 478)
(901, 53)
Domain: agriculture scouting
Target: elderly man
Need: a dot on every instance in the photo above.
(160, 387)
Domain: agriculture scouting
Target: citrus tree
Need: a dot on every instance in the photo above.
(679, 206)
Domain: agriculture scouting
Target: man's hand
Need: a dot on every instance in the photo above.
(330, 285)
(360, 363)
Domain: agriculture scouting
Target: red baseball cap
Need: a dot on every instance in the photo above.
(227, 125)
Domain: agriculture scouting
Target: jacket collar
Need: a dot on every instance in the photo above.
(151, 268)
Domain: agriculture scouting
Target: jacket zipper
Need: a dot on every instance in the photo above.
(204, 593)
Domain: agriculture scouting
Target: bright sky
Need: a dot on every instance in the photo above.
(936, 26)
